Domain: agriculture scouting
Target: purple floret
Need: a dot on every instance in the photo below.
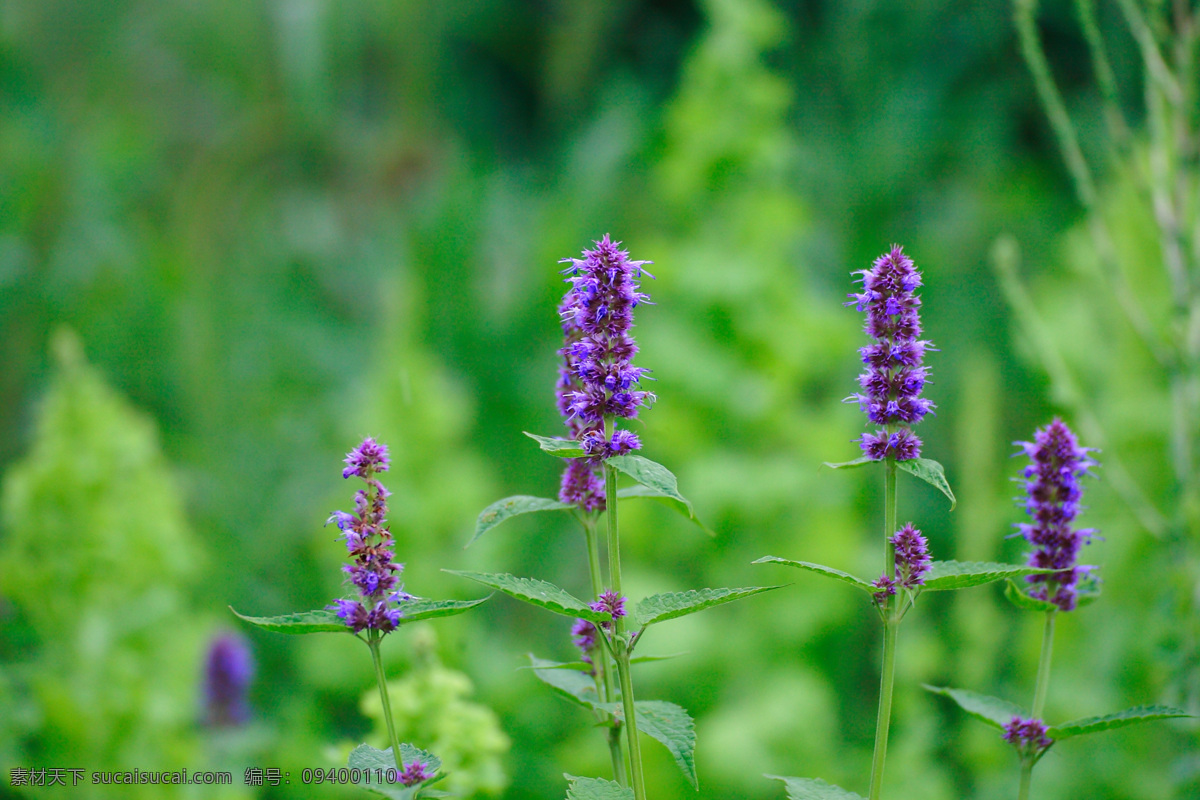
(366, 459)
(895, 377)
(1028, 736)
(912, 556)
(1053, 492)
(609, 603)
(414, 773)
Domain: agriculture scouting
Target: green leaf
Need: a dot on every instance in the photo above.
(652, 659)
(991, 710)
(858, 462)
(1021, 600)
(683, 508)
(539, 593)
(319, 621)
(596, 789)
(944, 575)
(819, 568)
(673, 727)
(813, 789)
(367, 758)
(1130, 716)
(513, 506)
(662, 607)
(932, 473)
(563, 448)
(653, 476)
(420, 608)
(566, 680)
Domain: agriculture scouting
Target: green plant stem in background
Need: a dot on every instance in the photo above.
(373, 643)
(891, 624)
(603, 664)
(1043, 673)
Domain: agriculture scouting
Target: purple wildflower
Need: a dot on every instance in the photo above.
(609, 603)
(1028, 736)
(583, 636)
(912, 556)
(414, 773)
(228, 669)
(892, 384)
(886, 587)
(597, 379)
(368, 538)
(1053, 492)
(581, 485)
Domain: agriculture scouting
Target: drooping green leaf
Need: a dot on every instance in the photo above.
(819, 568)
(813, 789)
(662, 607)
(945, 575)
(932, 473)
(682, 507)
(990, 710)
(596, 789)
(652, 659)
(563, 448)
(653, 476)
(318, 621)
(370, 760)
(1021, 600)
(420, 608)
(673, 727)
(1130, 716)
(539, 593)
(513, 506)
(566, 680)
(858, 462)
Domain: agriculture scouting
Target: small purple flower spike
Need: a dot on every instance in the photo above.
(228, 669)
(414, 773)
(609, 603)
(1028, 736)
(892, 384)
(583, 636)
(886, 588)
(597, 378)
(912, 556)
(1052, 499)
(368, 538)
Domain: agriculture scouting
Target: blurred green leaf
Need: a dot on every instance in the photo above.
(670, 725)
(656, 478)
(820, 569)
(596, 789)
(1130, 716)
(420, 608)
(932, 473)
(945, 575)
(1022, 600)
(510, 507)
(563, 448)
(813, 789)
(991, 710)
(318, 621)
(661, 496)
(858, 462)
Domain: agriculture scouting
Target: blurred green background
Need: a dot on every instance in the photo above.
(237, 237)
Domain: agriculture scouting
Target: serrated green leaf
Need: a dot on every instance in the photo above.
(820, 569)
(369, 759)
(858, 462)
(539, 593)
(563, 448)
(1130, 716)
(654, 476)
(683, 508)
(421, 608)
(510, 507)
(932, 473)
(662, 607)
(671, 726)
(946, 575)
(652, 659)
(574, 685)
(990, 710)
(596, 789)
(813, 789)
(319, 621)
(1021, 600)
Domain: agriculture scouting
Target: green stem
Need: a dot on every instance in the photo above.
(1043, 673)
(631, 731)
(889, 519)
(1026, 779)
(603, 663)
(891, 627)
(373, 643)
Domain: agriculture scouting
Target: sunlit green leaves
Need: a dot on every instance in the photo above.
(539, 593)
(655, 477)
(813, 789)
(319, 621)
(945, 575)
(1130, 716)
(820, 569)
(563, 448)
(990, 710)
(420, 608)
(662, 607)
(596, 789)
(1022, 600)
(932, 473)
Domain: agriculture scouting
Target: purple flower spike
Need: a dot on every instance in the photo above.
(1052, 499)
(414, 773)
(227, 673)
(1028, 736)
(583, 636)
(892, 384)
(609, 603)
(886, 588)
(368, 538)
(912, 556)
(597, 378)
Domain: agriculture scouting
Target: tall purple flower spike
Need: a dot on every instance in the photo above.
(1052, 499)
(368, 538)
(892, 384)
(598, 378)
(228, 669)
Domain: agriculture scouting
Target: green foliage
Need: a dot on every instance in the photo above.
(562, 448)
(990, 710)
(1130, 716)
(932, 473)
(1021, 599)
(318, 621)
(672, 605)
(510, 507)
(820, 569)
(535, 592)
(656, 478)
(369, 759)
(813, 789)
(944, 575)
(596, 789)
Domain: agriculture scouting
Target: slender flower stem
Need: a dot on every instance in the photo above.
(1026, 779)
(1043, 673)
(373, 643)
(604, 664)
(891, 625)
(635, 751)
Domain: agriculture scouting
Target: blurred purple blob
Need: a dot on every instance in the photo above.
(228, 669)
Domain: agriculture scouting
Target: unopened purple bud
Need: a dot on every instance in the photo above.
(1028, 736)
(228, 669)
